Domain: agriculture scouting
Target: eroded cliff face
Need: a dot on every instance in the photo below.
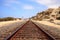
(49, 14)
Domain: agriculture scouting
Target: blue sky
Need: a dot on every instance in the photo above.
(25, 8)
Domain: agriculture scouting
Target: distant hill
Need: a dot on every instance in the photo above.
(49, 14)
(9, 19)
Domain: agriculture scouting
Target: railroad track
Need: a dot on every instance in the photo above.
(29, 32)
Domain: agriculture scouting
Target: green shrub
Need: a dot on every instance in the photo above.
(58, 18)
(7, 19)
(51, 20)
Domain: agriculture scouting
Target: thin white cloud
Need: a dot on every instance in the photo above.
(28, 7)
(49, 3)
(9, 3)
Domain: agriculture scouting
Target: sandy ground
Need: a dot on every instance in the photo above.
(57, 22)
(51, 28)
(4, 23)
(8, 27)
(49, 23)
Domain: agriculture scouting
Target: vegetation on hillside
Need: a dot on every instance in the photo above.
(9, 19)
(48, 14)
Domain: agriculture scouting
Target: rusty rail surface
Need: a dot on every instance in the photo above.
(29, 31)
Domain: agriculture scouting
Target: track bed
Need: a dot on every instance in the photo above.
(29, 32)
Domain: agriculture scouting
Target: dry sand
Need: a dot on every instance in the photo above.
(4, 23)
